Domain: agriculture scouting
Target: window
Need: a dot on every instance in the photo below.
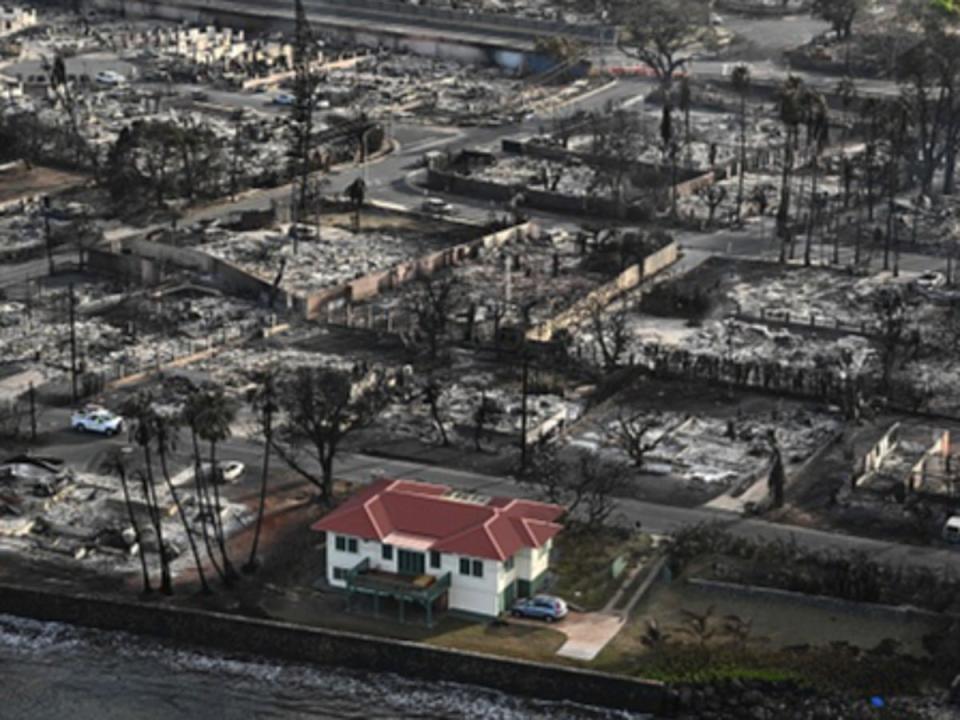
(339, 573)
(351, 545)
(341, 543)
(478, 568)
(434, 559)
(387, 552)
(508, 563)
(464, 566)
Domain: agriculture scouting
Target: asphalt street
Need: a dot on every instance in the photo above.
(78, 449)
(390, 180)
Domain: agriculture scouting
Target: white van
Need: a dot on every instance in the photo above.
(951, 529)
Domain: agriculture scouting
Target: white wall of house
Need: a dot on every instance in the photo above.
(480, 595)
(532, 562)
(369, 549)
(473, 594)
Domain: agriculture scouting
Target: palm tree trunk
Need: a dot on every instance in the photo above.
(150, 491)
(326, 465)
(147, 586)
(813, 211)
(183, 519)
(264, 471)
(743, 151)
(230, 573)
(204, 504)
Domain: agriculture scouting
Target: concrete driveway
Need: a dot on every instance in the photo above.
(587, 633)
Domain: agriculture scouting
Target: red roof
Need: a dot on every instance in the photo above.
(494, 529)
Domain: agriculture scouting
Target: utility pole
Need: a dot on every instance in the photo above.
(523, 406)
(73, 344)
(305, 82)
(48, 240)
(32, 395)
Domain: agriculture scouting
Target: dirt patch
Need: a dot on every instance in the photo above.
(23, 184)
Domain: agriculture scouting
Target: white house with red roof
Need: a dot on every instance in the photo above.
(430, 545)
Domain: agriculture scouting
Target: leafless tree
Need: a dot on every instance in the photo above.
(317, 409)
(634, 433)
(776, 479)
(487, 411)
(890, 309)
(584, 483)
(839, 13)
(432, 395)
(713, 195)
(609, 327)
(433, 303)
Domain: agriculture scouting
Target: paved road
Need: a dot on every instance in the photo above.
(78, 449)
(388, 181)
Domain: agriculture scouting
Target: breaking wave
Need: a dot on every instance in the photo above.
(161, 680)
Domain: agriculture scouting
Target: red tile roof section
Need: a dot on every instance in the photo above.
(495, 530)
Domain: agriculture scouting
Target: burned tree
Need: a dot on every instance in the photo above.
(432, 305)
(713, 195)
(432, 395)
(776, 478)
(487, 411)
(740, 78)
(839, 13)
(660, 33)
(609, 327)
(890, 309)
(584, 483)
(635, 434)
(317, 409)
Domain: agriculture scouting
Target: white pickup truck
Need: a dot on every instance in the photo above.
(94, 418)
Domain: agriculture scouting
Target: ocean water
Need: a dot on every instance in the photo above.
(61, 672)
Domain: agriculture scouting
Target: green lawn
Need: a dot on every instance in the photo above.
(583, 564)
(512, 640)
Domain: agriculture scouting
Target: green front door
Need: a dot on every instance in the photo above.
(508, 597)
(410, 563)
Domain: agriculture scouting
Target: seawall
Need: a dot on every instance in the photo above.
(296, 643)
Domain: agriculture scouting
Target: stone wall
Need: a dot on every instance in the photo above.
(607, 293)
(298, 643)
(369, 286)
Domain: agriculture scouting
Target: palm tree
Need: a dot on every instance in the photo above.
(740, 78)
(193, 411)
(815, 112)
(167, 429)
(214, 427)
(897, 123)
(264, 404)
(121, 468)
(139, 410)
(791, 115)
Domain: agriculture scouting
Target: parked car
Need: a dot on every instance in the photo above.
(284, 99)
(109, 77)
(951, 529)
(930, 280)
(94, 418)
(437, 206)
(228, 470)
(541, 607)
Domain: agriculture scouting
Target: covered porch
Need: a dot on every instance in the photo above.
(422, 590)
